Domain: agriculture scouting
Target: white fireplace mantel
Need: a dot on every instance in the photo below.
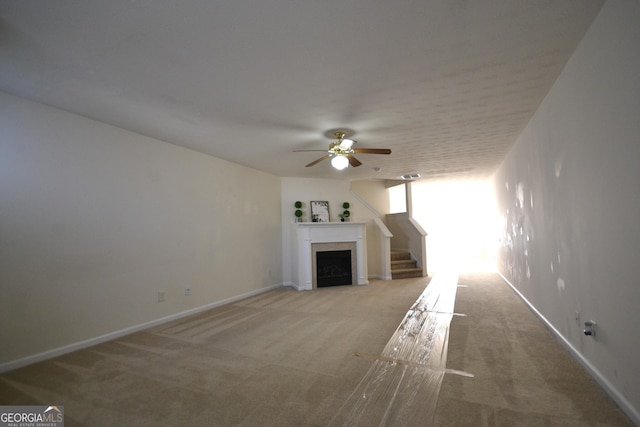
(307, 233)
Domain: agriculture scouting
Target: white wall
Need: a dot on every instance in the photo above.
(95, 220)
(570, 200)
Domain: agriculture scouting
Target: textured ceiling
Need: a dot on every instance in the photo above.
(447, 85)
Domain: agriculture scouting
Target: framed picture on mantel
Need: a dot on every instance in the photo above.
(319, 211)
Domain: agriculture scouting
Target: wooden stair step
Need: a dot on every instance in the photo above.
(405, 263)
(405, 273)
(400, 255)
(403, 266)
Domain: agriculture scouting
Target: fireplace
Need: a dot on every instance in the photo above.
(346, 238)
(333, 268)
(333, 264)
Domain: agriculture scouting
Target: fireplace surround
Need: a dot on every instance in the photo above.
(311, 238)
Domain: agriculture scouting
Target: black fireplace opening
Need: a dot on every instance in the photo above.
(333, 268)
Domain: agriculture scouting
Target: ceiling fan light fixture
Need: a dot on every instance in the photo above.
(341, 152)
(340, 162)
(347, 143)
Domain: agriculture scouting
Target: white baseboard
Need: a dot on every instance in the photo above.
(297, 288)
(49, 354)
(379, 277)
(613, 392)
(291, 285)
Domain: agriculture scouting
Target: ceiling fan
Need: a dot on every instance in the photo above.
(341, 152)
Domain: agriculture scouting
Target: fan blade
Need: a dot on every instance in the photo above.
(372, 150)
(318, 160)
(302, 151)
(353, 161)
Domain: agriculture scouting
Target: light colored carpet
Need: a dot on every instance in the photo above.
(287, 358)
(283, 358)
(523, 375)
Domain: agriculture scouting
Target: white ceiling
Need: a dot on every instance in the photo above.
(447, 85)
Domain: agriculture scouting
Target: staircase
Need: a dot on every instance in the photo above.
(402, 266)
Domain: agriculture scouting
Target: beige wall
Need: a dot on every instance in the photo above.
(95, 221)
(375, 193)
(376, 196)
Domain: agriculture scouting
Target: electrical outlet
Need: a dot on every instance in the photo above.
(161, 296)
(187, 291)
(577, 317)
(590, 328)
